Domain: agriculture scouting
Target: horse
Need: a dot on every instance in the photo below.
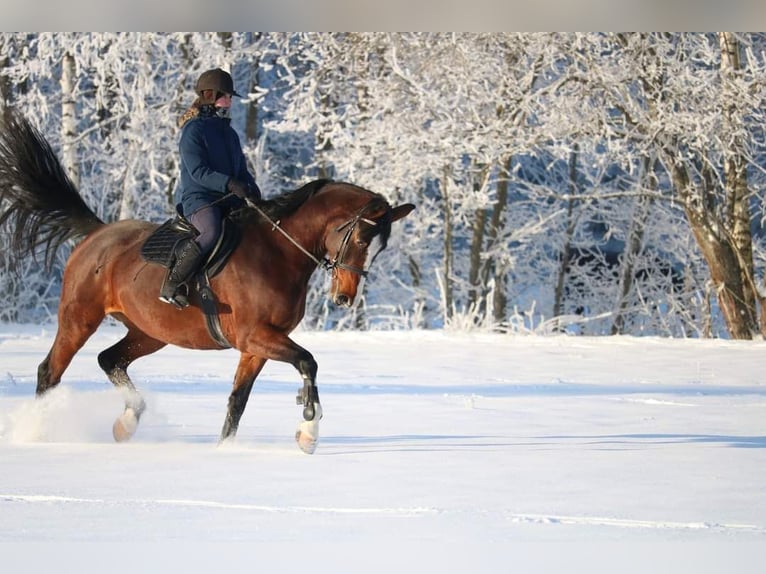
(261, 290)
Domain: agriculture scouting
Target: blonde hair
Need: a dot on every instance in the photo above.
(206, 98)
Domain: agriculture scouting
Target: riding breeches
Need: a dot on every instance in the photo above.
(207, 220)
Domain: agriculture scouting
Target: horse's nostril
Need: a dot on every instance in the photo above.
(342, 300)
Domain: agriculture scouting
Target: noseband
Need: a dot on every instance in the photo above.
(336, 262)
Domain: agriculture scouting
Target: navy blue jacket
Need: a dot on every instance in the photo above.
(210, 155)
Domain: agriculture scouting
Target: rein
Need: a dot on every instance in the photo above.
(325, 263)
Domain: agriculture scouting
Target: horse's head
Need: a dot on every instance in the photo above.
(350, 245)
(337, 225)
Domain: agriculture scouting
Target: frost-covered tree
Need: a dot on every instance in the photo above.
(437, 118)
(613, 269)
(689, 101)
(595, 183)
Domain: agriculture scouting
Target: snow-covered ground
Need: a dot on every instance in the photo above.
(439, 452)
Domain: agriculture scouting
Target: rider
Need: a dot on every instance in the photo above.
(214, 177)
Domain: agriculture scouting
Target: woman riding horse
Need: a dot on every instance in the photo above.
(261, 291)
(212, 165)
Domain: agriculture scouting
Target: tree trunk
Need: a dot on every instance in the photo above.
(475, 298)
(477, 245)
(251, 122)
(737, 190)
(226, 39)
(500, 263)
(495, 268)
(126, 210)
(10, 90)
(448, 287)
(69, 119)
(5, 83)
(725, 274)
(566, 250)
(721, 258)
(634, 245)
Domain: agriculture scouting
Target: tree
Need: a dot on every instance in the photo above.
(662, 96)
(709, 175)
(597, 183)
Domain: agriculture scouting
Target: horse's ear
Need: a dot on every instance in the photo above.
(401, 211)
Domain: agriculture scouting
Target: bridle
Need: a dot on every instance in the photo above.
(349, 226)
(329, 265)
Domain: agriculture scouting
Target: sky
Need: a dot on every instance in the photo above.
(398, 15)
(438, 451)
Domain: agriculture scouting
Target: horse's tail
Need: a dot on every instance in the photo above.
(37, 197)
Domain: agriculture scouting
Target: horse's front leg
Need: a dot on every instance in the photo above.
(276, 345)
(248, 369)
(308, 430)
(308, 396)
(307, 434)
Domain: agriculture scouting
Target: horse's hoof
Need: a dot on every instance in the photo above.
(307, 434)
(125, 426)
(306, 442)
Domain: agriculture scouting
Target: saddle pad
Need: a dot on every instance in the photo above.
(160, 245)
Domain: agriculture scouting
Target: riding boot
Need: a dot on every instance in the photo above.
(188, 258)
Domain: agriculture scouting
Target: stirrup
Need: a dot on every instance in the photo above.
(179, 300)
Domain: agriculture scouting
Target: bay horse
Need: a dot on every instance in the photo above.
(261, 291)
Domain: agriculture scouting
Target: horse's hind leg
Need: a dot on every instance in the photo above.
(115, 361)
(75, 327)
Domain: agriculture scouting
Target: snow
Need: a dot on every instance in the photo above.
(439, 452)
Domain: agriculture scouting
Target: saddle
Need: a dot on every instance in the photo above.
(160, 248)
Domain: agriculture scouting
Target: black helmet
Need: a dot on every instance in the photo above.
(217, 80)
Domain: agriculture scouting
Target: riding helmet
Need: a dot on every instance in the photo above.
(216, 79)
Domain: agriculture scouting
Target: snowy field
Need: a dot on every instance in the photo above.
(439, 452)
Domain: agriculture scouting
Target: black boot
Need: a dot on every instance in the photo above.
(188, 258)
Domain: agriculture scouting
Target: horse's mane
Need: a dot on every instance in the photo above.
(283, 205)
